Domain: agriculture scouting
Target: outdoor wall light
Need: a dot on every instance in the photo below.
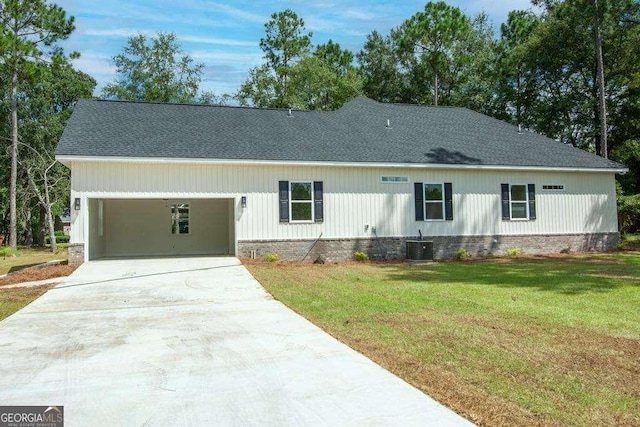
(243, 202)
(76, 204)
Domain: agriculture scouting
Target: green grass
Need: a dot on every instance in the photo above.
(510, 341)
(26, 257)
(13, 299)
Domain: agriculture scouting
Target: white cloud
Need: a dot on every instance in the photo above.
(217, 41)
(118, 32)
(359, 14)
(95, 65)
(238, 13)
(227, 57)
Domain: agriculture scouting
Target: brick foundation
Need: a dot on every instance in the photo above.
(333, 250)
(76, 253)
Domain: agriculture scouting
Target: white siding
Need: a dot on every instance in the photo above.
(355, 197)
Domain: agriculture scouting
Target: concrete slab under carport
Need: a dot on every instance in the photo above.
(192, 341)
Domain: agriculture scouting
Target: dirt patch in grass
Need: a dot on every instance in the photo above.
(39, 273)
(285, 263)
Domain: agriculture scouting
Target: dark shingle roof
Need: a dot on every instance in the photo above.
(355, 133)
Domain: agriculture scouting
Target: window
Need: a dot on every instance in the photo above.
(301, 197)
(553, 187)
(301, 201)
(433, 202)
(518, 202)
(394, 179)
(180, 218)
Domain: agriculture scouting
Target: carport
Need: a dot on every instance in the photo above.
(160, 227)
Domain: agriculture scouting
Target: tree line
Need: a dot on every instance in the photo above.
(571, 72)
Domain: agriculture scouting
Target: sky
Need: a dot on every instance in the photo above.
(224, 34)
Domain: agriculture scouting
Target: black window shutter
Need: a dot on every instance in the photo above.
(532, 200)
(419, 200)
(284, 201)
(505, 202)
(317, 201)
(448, 202)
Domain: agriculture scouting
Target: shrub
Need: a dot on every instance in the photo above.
(513, 252)
(6, 251)
(59, 233)
(629, 213)
(462, 253)
(620, 247)
(360, 256)
(271, 257)
(59, 239)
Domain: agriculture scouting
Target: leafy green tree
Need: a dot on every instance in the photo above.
(518, 84)
(326, 80)
(338, 60)
(28, 27)
(292, 76)
(155, 70)
(48, 99)
(286, 42)
(379, 69)
(312, 84)
(473, 75)
(563, 51)
(431, 40)
(438, 56)
(210, 98)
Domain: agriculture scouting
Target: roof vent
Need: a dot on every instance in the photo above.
(290, 114)
(388, 126)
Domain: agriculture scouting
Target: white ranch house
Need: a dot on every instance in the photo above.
(165, 179)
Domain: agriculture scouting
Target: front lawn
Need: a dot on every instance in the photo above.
(526, 341)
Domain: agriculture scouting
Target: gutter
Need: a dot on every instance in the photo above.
(67, 160)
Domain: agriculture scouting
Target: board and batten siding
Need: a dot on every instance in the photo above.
(355, 197)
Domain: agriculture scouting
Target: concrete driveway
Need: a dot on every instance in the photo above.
(192, 341)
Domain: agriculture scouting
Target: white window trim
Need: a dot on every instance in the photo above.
(188, 218)
(425, 201)
(291, 202)
(526, 202)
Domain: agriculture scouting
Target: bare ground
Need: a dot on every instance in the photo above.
(37, 273)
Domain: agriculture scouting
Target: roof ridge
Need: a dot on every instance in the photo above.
(178, 104)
